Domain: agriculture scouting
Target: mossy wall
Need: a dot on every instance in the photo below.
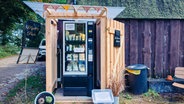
(143, 8)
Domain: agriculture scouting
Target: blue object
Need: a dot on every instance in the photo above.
(138, 83)
(137, 67)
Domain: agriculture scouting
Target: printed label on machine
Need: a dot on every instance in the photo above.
(70, 26)
(78, 49)
(90, 57)
(90, 40)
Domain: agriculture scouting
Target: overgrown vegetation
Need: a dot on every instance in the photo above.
(143, 8)
(14, 15)
(151, 93)
(8, 50)
(150, 97)
(152, 9)
(35, 84)
(128, 96)
(52, 1)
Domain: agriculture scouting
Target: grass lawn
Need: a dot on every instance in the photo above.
(8, 50)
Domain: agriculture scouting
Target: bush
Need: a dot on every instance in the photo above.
(35, 83)
(8, 50)
(151, 93)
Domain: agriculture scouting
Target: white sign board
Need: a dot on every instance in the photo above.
(70, 26)
(102, 96)
(78, 49)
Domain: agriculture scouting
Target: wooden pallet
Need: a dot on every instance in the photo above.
(179, 73)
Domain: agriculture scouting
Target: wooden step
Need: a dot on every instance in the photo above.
(60, 99)
(178, 85)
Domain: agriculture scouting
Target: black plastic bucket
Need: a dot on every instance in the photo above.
(138, 83)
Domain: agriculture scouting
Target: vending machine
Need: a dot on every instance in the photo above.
(78, 58)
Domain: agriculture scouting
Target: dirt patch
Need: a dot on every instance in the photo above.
(164, 98)
(8, 60)
(11, 73)
(22, 94)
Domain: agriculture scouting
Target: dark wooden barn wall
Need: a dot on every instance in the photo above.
(159, 44)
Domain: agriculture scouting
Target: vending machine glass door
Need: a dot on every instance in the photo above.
(74, 48)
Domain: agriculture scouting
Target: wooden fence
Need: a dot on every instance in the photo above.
(113, 57)
(157, 43)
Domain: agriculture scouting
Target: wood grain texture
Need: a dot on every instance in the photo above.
(166, 49)
(103, 51)
(133, 42)
(141, 26)
(49, 56)
(153, 36)
(127, 42)
(115, 55)
(179, 72)
(181, 54)
(178, 85)
(163, 49)
(174, 45)
(159, 48)
(147, 45)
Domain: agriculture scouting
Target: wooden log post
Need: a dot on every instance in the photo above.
(103, 54)
(51, 51)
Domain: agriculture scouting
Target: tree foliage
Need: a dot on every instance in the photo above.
(143, 8)
(53, 1)
(14, 13)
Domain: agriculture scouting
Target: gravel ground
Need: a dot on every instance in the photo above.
(11, 73)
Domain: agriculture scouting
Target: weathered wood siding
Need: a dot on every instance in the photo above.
(115, 56)
(157, 43)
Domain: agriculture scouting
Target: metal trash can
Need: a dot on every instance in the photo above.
(137, 78)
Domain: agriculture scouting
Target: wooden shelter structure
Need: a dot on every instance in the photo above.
(110, 59)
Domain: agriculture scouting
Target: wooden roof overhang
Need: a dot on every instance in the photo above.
(74, 11)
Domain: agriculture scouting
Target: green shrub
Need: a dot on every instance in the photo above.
(34, 85)
(8, 50)
(151, 93)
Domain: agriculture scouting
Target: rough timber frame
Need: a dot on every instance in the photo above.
(52, 14)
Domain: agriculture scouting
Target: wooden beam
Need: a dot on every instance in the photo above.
(49, 56)
(73, 15)
(49, 11)
(178, 85)
(51, 50)
(103, 53)
(179, 72)
(75, 11)
(103, 11)
(111, 49)
(123, 40)
(108, 61)
(97, 21)
(56, 20)
(54, 54)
